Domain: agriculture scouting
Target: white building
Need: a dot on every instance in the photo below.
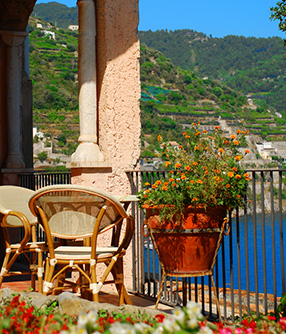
(73, 27)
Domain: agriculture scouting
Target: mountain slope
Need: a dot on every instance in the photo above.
(56, 13)
(252, 65)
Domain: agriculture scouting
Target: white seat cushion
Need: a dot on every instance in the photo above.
(82, 252)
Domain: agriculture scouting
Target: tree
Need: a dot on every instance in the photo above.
(42, 156)
(279, 13)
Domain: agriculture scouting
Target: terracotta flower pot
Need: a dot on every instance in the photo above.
(191, 250)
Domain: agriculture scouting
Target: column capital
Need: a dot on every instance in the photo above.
(13, 38)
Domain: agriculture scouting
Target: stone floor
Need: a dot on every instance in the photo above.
(110, 298)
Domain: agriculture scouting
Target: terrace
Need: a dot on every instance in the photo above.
(250, 268)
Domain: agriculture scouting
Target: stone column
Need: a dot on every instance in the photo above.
(88, 153)
(13, 40)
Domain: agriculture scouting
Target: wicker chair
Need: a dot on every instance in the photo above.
(73, 213)
(15, 213)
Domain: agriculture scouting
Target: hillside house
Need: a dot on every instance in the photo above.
(73, 27)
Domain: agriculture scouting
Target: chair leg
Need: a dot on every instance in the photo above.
(94, 281)
(216, 298)
(40, 272)
(4, 269)
(160, 290)
(47, 285)
(118, 276)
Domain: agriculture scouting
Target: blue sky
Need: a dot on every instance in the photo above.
(218, 18)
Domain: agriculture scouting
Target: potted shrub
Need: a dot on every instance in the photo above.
(186, 209)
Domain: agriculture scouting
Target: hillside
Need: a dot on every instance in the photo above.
(58, 14)
(172, 98)
(53, 71)
(254, 66)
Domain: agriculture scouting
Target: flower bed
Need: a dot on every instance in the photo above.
(17, 316)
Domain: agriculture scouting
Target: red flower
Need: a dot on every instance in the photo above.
(160, 317)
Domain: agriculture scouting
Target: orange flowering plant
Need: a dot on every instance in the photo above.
(207, 171)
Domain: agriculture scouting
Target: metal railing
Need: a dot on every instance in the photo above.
(38, 180)
(250, 268)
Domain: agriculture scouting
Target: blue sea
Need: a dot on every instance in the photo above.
(239, 261)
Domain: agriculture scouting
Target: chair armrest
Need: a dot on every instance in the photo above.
(23, 219)
(130, 226)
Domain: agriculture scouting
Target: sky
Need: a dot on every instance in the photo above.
(218, 18)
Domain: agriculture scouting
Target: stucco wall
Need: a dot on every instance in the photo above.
(118, 95)
(118, 91)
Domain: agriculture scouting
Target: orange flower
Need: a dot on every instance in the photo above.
(228, 185)
(194, 199)
(236, 142)
(192, 181)
(200, 181)
(238, 196)
(206, 172)
(238, 157)
(187, 137)
(164, 188)
(205, 131)
(171, 179)
(221, 150)
(172, 172)
(195, 124)
(238, 177)
(154, 186)
(234, 169)
(196, 148)
(195, 163)
(183, 177)
(247, 151)
(197, 133)
(167, 163)
(232, 136)
(184, 133)
(226, 142)
(187, 168)
(216, 171)
(217, 127)
(230, 174)
(178, 165)
(147, 184)
(174, 185)
(238, 132)
(158, 182)
(146, 191)
(160, 138)
(246, 176)
(181, 147)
